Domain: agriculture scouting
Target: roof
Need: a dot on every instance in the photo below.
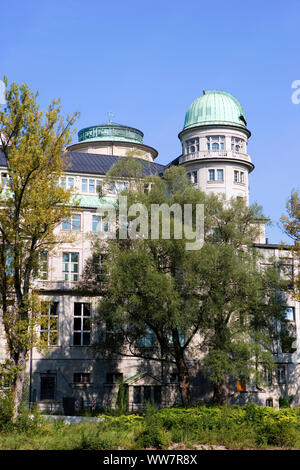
(111, 131)
(92, 163)
(215, 107)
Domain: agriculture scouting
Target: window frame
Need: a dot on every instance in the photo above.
(82, 331)
(69, 275)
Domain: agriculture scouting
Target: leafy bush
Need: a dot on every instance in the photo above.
(280, 433)
(153, 434)
(6, 413)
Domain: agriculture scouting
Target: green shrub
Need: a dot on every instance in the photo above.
(280, 433)
(6, 413)
(153, 434)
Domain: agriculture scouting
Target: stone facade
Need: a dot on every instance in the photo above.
(216, 159)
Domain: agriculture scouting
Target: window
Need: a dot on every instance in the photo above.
(43, 270)
(48, 387)
(211, 175)
(98, 224)
(143, 394)
(269, 402)
(215, 143)
(216, 175)
(82, 324)
(173, 377)
(281, 374)
(238, 176)
(3, 179)
(92, 186)
(287, 272)
(137, 395)
(70, 266)
(70, 183)
(220, 175)
(289, 314)
(84, 185)
(73, 224)
(147, 341)
(237, 144)
(195, 177)
(63, 182)
(49, 323)
(114, 377)
(81, 378)
(192, 145)
(241, 386)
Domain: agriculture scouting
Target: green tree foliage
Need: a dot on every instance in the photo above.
(32, 205)
(215, 306)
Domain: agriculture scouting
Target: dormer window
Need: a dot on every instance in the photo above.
(215, 143)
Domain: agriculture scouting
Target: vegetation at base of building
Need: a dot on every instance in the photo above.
(235, 427)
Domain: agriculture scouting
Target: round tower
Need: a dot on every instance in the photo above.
(214, 145)
(111, 138)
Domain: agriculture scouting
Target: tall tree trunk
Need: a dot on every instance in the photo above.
(184, 381)
(218, 397)
(18, 383)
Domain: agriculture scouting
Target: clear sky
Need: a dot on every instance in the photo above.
(147, 61)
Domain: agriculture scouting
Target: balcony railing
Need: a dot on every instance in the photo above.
(210, 154)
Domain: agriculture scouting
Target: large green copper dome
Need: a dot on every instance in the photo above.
(215, 107)
(110, 131)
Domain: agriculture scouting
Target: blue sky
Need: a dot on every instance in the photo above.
(147, 61)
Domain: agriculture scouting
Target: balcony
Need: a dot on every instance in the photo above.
(213, 155)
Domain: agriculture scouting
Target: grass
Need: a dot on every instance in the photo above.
(234, 427)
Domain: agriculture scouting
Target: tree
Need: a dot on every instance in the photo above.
(32, 204)
(164, 303)
(290, 223)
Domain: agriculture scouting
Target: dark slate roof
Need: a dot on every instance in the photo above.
(92, 163)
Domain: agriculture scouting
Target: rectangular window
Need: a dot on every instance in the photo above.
(114, 377)
(220, 175)
(289, 314)
(70, 266)
(236, 176)
(98, 225)
(84, 185)
(137, 395)
(91, 186)
(157, 394)
(211, 175)
(146, 341)
(241, 386)
(63, 182)
(70, 183)
(81, 378)
(73, 224)
(43, 271)
(195, 177)
(281, 374)
(49, 323)
(48, 387)
(147, 394)
(81, 324)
